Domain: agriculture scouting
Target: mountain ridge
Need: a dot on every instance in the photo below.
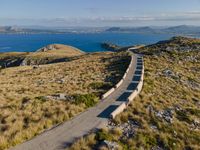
(181, 29)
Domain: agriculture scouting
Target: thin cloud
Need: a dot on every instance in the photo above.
(192, 16)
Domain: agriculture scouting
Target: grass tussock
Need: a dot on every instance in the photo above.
(26, 110)
(177, 92)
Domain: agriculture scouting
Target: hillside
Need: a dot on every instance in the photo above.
(173, 45)
(48, 54)
(26, 30)
(183, 29)
(175, 30)
(51, 54)
(166, 114)
(9, 29)
(12, 59)
(33, 99)
(131, 29)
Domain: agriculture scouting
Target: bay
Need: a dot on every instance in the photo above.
(88, 42)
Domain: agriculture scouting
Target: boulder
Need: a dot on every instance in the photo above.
(111, 145)
(60, 96)
(167, 115)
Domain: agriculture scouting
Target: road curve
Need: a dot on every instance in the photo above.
(58, 138)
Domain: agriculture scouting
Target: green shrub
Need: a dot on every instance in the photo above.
(41, 98)
(169, 143)
(103, 135)
(145, 140)
(88, 99)
(100, 85)
(183, 116)
(195, 112)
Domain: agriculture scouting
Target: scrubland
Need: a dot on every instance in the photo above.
(35, 98)
(166, 114)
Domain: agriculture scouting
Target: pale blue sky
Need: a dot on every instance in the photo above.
(99, 12)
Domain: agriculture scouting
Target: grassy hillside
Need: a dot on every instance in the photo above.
(33, 99)
(175, 44)
(166, 115)
(50, 54)
(12, 59)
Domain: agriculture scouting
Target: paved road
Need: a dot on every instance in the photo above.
(59, 137)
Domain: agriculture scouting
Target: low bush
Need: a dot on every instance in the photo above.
(183, 116)
(88, 99)
(27, 110)
(102, 135)
(41, 98)
(100, 85)
(195, 112)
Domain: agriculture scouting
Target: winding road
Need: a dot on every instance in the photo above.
(59, 137)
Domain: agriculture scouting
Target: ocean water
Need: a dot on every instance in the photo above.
(85, 42)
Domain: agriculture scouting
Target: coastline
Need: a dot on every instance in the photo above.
(90, 42)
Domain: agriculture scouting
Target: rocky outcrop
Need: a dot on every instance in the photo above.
(11, 62)
(111, 145)
(110, 46)
(11, 59)
(47, 48)
(128, 128)
(173, 46)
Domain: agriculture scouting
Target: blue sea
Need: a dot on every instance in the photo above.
(86, 42)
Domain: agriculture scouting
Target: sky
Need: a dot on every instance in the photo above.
(99, 13)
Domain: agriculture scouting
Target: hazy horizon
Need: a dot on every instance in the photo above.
(99, 13)
(68, 27)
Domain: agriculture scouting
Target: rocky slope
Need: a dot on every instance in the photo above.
(11, 59)
(166, 115)
(173, 45)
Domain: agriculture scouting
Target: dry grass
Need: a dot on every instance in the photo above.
(25, 110)
(12, 54)
(50, 54)
(160, 93)
(180, 92)
(58, 53)
(11, 58)
(85, 143)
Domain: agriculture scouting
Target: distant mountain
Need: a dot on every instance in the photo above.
(178, 30)
(49, 30)
(113, 29)
(183, 29)
(14, 29)
(132, 30)
(9, 29)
